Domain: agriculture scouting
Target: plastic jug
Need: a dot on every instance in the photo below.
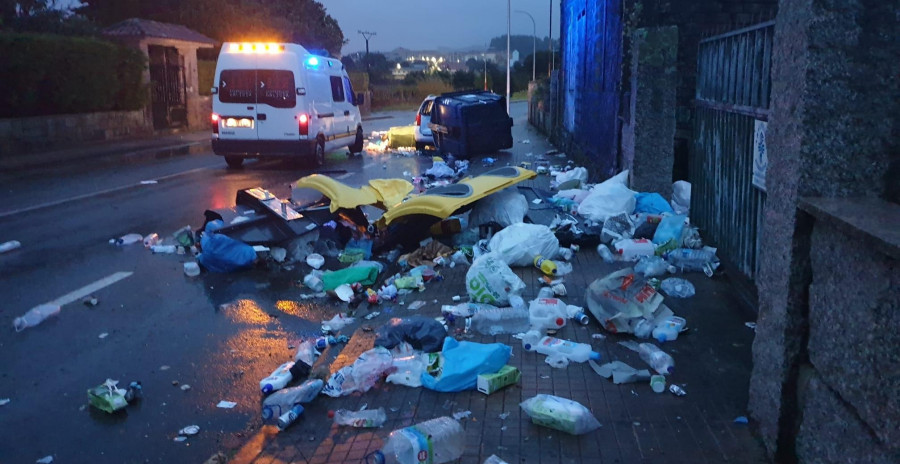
(547, 313)
(278, 379)
(631, 249)
(668, 329)
(545, 265)
(551, 346)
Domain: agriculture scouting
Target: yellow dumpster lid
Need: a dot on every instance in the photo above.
(379, 192)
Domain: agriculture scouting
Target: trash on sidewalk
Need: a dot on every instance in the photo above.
(434, 441)
(632, 249)
(506, 207)
(547, 313)
(519, 244)
(368, 418)
(551, 346)
(658, 383)
(560, 413)
(622, 299)
(44, 460)
(190, 430)
(9, 246)
(658, 359)
(490, 280)
(408, 370)
(426, 254)
(681, 197)
(4, 401)
(439, 169)
(458, 365)
(90, 301)
(741, 420)
(564, 178)
(351, 275)
(361, 375)
(278, 379)
(191, 269)
(677, 288)
(608, 199)
(110, 398)
(226, 404)
(490, 382)
(221, 253)
(288, 418)
(652, 266)
(36, 315)
(620, 372)
(703, 260)
(338, 322)
(423, 333)
(651, 203)
(676, 390)
(315, 260)
(494, 459)
(127, 239)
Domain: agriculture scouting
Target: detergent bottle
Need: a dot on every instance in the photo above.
(545, 265)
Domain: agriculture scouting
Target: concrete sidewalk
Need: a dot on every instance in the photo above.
(713, 364)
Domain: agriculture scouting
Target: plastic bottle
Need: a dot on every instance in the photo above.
(367, 418)
(631, 248)
(686, 259)
(643, 328)
(577, 313)
(545, 265)
(668, 329)
(546, 292)
(290, 417)
(324, 342)
(517, 302)
(494, 459)
(547, 313)
(163, 249)
(501, 321)
(35, 316)
(127, 239)
(658, 359)
(281, 401)
(278, 379)
(551, 346)
(437, 440)
(607, 255)
(150, 240)
(9, 246)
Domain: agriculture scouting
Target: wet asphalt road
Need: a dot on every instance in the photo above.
(162, 327)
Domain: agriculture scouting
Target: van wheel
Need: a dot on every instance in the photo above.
(357, 146)
(319, 158)
(234, 162)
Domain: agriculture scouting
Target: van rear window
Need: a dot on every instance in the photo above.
(258, 86)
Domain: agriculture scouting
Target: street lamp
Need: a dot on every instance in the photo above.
(533, 42)
(508, 2)
(483, 58)
(367, 35)
(552, 63)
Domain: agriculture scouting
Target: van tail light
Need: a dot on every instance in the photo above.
(303, 124)
(215, 123)
(418, 119)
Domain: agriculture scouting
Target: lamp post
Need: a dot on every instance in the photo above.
(483, 58)
(552, 52)
(508, 3)
(367, 35)
(533, 43)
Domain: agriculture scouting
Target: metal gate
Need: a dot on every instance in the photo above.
(732, 107)
(167, 87)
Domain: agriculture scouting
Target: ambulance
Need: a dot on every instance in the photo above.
(280, 100)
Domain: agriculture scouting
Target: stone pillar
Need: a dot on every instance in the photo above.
(648, 137)
(831, 134)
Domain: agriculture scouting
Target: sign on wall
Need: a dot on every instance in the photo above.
(760, 155)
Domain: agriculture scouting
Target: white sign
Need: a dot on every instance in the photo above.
(760, 155)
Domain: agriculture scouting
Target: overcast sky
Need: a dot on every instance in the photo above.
(429, 24)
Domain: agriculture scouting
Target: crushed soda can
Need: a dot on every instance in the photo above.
(676, 390)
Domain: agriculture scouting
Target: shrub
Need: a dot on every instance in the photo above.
(206, 74)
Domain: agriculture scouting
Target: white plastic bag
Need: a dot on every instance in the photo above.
(440, 169)
(580, 174)
(518, 244)
(681, 197)
(505, 208)
(361, 376)
(490, 280)
(608, 199)
(307, 352)
(338, 322)
(408, 370)
(560, 413)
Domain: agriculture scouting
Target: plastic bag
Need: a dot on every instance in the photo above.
(669, 229)
(622, 299)
(423, 333)
(222, 253)
(580, 174)
(506, 207)
(338, 322)
(651, 266)
(608, 199)
(618, 227)
(440, 169)
(651, 203)
(560, 413)
(350, 275)
(408, 370)
(490, 280)
(681, 197)
(518, 244)
(678, 288)
(458, 365)
(306, 352)
(361, 375)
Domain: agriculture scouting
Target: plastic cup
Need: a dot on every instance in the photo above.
(658, 383)
(191, 269)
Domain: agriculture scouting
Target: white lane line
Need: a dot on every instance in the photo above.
(344, 176)
(90, 288)
(93, 194)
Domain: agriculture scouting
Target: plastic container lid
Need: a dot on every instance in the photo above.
(191, 269)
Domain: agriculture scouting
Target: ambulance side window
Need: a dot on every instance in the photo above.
(337, 89)
(348, 91)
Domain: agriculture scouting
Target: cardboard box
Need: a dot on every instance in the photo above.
(489, 383)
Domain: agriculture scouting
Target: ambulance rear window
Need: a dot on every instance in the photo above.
(258, 86)
(237, 86)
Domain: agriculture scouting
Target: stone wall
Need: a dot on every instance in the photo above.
(826, 374)
(26, 135)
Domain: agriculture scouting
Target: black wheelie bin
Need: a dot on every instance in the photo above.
(470, 122)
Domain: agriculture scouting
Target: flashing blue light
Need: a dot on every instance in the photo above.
(312, 61)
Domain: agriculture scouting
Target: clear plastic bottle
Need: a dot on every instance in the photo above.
(686, 259)
(278, 379)
(547, 313)
(367, 418)
(606, 254)
(290, 417)
(577, 313)
(550, 346)
(668, 329)
(127, 239)
(9, 246)
(150, 240)
(437, 440)
(163, 249)
(501, 321)
(35, 316)
(658, 359)
(281, 401)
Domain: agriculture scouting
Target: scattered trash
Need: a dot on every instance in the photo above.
(703, 260)
(681, 197)
(560, 414)
(180, 438)
(226, 404)
(658, 359)
(598, 336)
(658, 383)
(185, 387)
(416, 305)
(751, 325)
(462, 415)
(361, 375)
(620, 372)
(494, 459)
(189, 430)
(282, 401)
(490, 320)
(9, 246)
(278, 379)
(344, 292)
(631, 249)
(456, 298)
(490, 280)
(90, 301)
(668, 329)
(525, 141)
(519, 244)
(504, 415)
(288, 418)
(338, 322)
(45, 460)
(622, 299)
(505, 208)
(651, 266)
(435, 441)
(36, 315)
(555, 347)
(423, 333)
(164, 368)
(348, 276)
(4, 401)
(547, 313)
(605, 254)
(741, 420)
(103, 335)
(677, 288)
(676, 390)
(363, 418)
(491, 382)
(458, 365)
(372, 315)
(128, 239)
(148, 182)
(608, 199)
(108, 397)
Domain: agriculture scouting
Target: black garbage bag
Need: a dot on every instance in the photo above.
(423, 333)
(570, 230)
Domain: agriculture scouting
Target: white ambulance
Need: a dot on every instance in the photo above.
(279, 100)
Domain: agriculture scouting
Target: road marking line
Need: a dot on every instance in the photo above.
(344, 176)
(90, 288)
(92, 194)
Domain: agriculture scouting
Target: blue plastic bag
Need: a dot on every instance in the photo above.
(669, 228)
(222, 253)
(651, 203)
(460, 363)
